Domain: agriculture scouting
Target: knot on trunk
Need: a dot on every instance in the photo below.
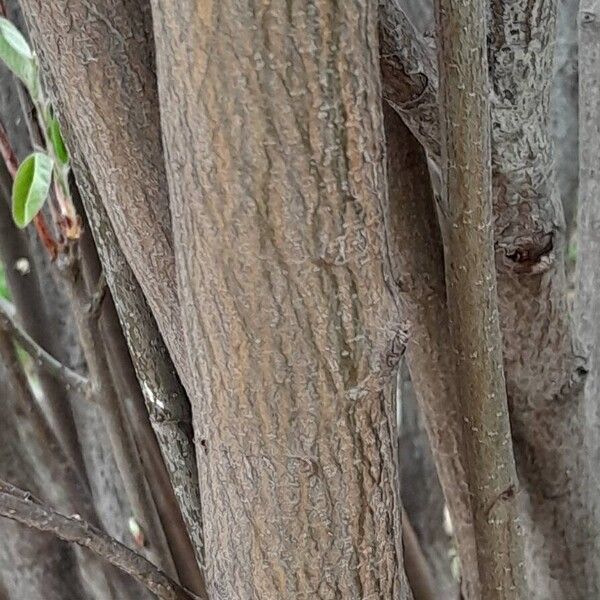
(531, 255)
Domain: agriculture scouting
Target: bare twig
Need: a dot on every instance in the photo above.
(121, 438)
(7, 152)
(21, 506)
(417, 570)
(42, 359)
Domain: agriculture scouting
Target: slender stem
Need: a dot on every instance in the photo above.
(472, 297)
(7, 153)
(21, 506)
(43, 359)
(418, 572)
(121, 439)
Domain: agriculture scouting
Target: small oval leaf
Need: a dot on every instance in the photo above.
(17, 55)
(55, 135)
(31, 187)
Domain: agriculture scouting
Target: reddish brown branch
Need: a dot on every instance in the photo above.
(7, 152)
(22, 507)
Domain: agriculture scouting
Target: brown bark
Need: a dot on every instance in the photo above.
(22, 507)
(276, 180)
(418, 272)
(160, 384)
(50, 312)
(472, 303)
(545, 373)
(166, 401)
(116, 422)
(100, 59)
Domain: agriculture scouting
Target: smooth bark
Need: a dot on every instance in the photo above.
(472, 302)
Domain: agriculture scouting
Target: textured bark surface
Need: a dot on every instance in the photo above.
(564, 108)
(409, 75)
(472, 303)
(166, 401)
(21, 506)
(100, 56)
(418, 272)
(544, 370)
(587, 305)
(273, 140)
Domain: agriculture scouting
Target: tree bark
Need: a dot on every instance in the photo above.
(564, 110)
(276, 181)
(100, 56)
(545, 370)
(22, 507)
(166, 401)
(418, 272)
(472, 302)
(587, 301)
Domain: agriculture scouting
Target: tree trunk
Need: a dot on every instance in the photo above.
(100, 56)
(277, 186)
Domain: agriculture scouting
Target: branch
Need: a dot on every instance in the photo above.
(418, 572)
(472, 299)
(7, 152)
(409, 75)
(43, 359)
(22, 507)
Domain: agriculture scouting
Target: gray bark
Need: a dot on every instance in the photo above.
(422, 495)
(166, 401)
(564, 109)
(587, 301)
(33, 565)
(545, 372)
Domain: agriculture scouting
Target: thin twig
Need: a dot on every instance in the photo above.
(42, 358)
(7, 152)
(21, 506)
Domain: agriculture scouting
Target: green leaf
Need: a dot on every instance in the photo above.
(55, 135)
(31, 187)
(17, 55)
